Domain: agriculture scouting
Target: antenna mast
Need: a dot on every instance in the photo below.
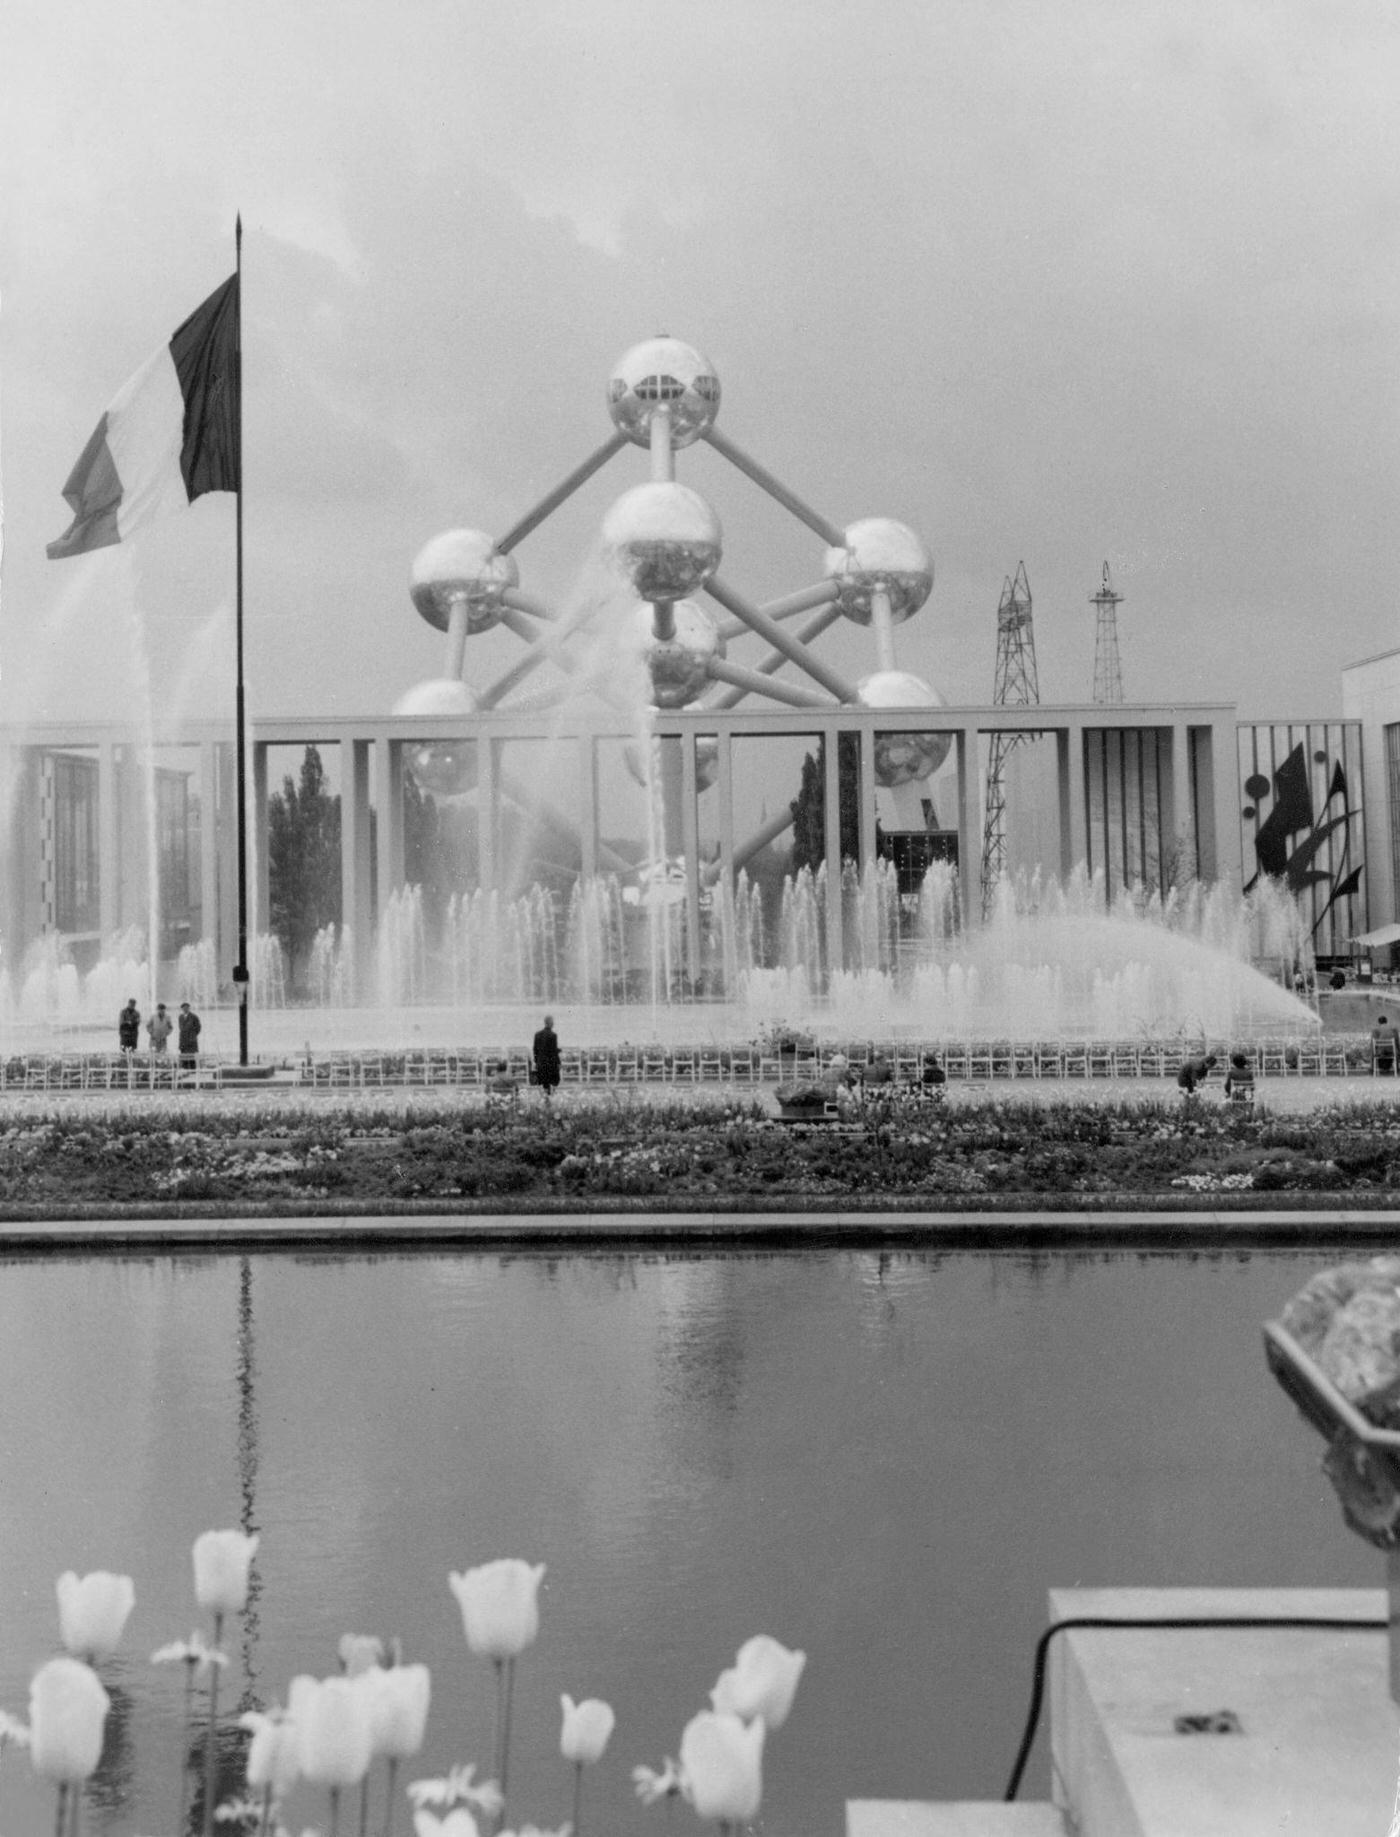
(1108, 672)
(1017, 684)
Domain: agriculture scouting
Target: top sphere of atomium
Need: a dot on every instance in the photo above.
(666, 539)
(461, 567)
(663, 373)
(880, 553)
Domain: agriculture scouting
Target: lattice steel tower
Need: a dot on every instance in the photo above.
(1108, 672)
(1017, 684)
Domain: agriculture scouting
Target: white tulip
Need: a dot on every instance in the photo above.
(586, 1731)
(457, 1823)
(722, 1764)
(396, 1701)
(359, 1651)
(93, 1611)
(274, 1755)
(333, 1730)
(762, 1682)
(67, 1710)
(500, 1606)
(222, 1560)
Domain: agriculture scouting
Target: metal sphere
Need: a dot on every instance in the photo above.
(706, 761)
(677, 665)
(666, 538)
(903, 758)
(447, 768)
(461, 566)
(878, 552)
(663, 373)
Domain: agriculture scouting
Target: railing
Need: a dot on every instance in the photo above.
(709, 1067)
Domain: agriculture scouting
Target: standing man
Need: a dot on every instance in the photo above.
(189, 1036)
(129, 1026)
(158, 1028)
(546, 1056)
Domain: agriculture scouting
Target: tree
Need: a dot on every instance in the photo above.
(303, 848)
(809, 806)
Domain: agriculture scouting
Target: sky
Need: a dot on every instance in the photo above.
(1061, 284)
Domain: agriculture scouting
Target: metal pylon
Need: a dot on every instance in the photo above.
(1017, 684)
(1108, 672)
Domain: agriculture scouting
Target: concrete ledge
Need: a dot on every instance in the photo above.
(961, 1818)
(1316, 1746)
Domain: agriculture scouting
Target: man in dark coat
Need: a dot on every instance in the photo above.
(1194, 1072)
(129, 1026)
(188, 1036)
(546, 1056)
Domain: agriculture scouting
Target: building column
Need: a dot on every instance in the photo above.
(724, 791)
(355, 906)
(388, 803)
(831, 812)
(209, 832)
(1224, 776)
(690, 852)
(487, 797)
(588, 806)
(1074, 829)
(969, 826)
(261, 916)
(867, 798)
(109, 860)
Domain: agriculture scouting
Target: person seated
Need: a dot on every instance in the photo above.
(1385, 1042)
(1239, 1080)
(933, 1077)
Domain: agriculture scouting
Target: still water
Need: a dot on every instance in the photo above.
(883, 1459)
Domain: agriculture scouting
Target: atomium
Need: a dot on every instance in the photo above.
(880, 554)
(446, 767)
(461, 567)
(678, 664)
(903, 758)
(666, 539)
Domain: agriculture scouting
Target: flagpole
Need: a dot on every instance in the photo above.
(240, 973)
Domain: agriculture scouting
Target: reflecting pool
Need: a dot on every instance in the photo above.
(883, 1459)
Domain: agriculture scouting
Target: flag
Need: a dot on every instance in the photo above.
(171, 434)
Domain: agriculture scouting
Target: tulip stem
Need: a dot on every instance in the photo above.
(266, 1822)
(578, 1794)
(335, 1810)
(191, 1665)
(392, 1763)
(505, 1734)
(75, 1809)
(61, 1820)
(208, 1824)
(364, 1805)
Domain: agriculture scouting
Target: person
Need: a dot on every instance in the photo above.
(1195, 1071)
(1239, 1080)
(545, 1052)
(189, 1036)
(129, 1026)
(933, 1075)
(1384, 1042)
(158, 1028)
(1338, 979)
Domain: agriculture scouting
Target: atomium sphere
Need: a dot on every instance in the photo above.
(461, 566)
(706, 761)
(678, 665)
(447, 768)
(878, 552)
(902, 759)
(663, 373)
(666, 538)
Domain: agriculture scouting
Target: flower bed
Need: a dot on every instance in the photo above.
(910, 1150)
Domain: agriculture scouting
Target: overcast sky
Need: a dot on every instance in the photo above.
(1052, 283)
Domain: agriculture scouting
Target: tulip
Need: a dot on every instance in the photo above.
(587, 1726)
(359, 1652)
(333, 1730)
(67, 1708)
(274, 1754)
(722, 1760)
(222, 1560)
(651, 1787)
(458, 1823)
(500, 1608)
(396, 1701)
(762, 1682)
(92, 1612)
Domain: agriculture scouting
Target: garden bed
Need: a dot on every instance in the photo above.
(902, 1153)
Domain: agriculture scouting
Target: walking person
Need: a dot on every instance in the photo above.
(545, 1051)
(129, 1026)
(158, 1028)
(188, 1036)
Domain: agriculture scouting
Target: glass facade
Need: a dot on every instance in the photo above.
(1127, 776)
(75, 845)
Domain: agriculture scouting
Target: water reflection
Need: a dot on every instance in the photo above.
(882, 1457)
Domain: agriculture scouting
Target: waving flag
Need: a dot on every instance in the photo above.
(171, 434)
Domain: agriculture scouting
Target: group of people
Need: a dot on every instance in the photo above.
(159, 1028)
(1239, 1076)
